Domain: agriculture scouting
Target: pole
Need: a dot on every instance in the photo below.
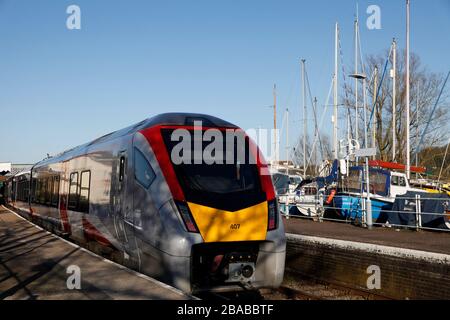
(368, 201)
(335, 115)
(375, 124)
(275, 120)
(394, 92)
(304, 118)
(287, 141)
(408, 147)
(356, 80)
(417, 125)
(317, 136)
(366, 143)
(348, 142)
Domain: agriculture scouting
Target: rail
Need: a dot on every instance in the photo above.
(421, 212)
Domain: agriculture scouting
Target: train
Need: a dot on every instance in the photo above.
(194, 225)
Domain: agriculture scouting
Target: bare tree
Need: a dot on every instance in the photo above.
(316, 152)
(424, 87)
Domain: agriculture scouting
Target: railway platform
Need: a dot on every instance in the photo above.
(395, 264)
(429, 241)
(35, 264)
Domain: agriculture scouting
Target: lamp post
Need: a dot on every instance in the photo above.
(366, 153)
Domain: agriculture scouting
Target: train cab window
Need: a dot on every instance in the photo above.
(55, 193)
(143, 172)
(85, 184)
(73, 191)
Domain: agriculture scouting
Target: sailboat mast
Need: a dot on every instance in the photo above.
(335, 100)
(408, 147)
(394, 92)
(356, 72)
(304, 117)
(417, 124)
(287, 140)
(375, 124)
(366, 143)
(316, 162)
(275, 121)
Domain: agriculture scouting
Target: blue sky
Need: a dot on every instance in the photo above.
(134, 59)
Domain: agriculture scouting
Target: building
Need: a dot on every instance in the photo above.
(8, 169)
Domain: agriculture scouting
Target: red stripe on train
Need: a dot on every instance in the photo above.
(63, 214)
(92, 234)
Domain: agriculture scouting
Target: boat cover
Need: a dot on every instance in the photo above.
(432, 208)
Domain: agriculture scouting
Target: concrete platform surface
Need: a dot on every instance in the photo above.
(429, 241)
(33, 265)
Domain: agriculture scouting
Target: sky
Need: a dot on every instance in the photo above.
(134, 59)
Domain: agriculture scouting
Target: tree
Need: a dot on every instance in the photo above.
(424, 90)
(322, 151)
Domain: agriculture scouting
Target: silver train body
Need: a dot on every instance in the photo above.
(122, 196)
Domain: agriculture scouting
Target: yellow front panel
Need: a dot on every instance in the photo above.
(215, 225)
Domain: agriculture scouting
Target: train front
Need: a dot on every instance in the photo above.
(223, 193)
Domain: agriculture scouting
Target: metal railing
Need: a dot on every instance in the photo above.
(406, 212)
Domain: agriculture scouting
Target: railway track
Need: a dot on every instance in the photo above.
(303, 287)
(299, 287)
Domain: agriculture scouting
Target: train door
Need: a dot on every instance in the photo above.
(123, 215)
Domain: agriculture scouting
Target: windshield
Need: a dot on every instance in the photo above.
(378, 182)
(218, 182)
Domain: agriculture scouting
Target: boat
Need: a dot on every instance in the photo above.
(385, 186)
(308, 200)
(286, 196)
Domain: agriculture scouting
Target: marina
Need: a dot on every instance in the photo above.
(307, 161)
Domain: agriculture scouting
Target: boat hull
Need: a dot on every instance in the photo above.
(349, 207)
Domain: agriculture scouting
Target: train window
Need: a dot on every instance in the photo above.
(85, 184)
(43, 191)
(19, 191)
(49, 193)
(121, 168)
(55, 193)
(13, 191)
(26, 190)
(143, 172)
(22, 190)
(37, 186)
(73, 191)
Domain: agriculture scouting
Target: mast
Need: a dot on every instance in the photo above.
(394, 92)
(317, 137)
(417, 124)
(287, 140)
(275, 121)
(304, 117)
(366, 143)
(356, 72)
(335, 99)
(408, 147)
(375, 124)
